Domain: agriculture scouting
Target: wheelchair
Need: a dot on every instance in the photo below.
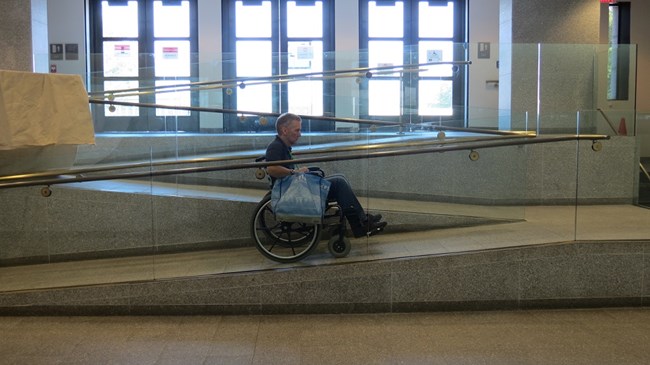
(287, 242)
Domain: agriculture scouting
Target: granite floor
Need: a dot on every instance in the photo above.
(545, 337)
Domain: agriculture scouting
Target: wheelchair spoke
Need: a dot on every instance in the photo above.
(272, 247)
(280, 240)
(302, 228)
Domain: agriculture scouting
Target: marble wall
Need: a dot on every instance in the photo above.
(557, 75)
(23, 35)
(16, 35)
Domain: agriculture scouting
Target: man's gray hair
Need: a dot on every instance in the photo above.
(285, 119)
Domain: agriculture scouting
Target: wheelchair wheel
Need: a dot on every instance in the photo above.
(339, 246)
(282, 241)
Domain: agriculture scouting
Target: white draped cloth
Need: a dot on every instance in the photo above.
(42, 110)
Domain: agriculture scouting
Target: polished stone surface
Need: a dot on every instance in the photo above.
(16, 35)
(524, 337)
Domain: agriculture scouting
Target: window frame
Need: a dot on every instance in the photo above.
(411, 41)
(279, 42)
(146, 67)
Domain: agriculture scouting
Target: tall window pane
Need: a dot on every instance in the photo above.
(304, 20)
(120, 110)
(435, 97)
(256, 98)
(120, 58)
(253, 20)
(384, 97)
(305, 57)
(173, 96)
(403, 32)
(436, 20)
(385, 53)
(436, 52)
(385, 20)
(619, 51)
(120, 20)
(171, 20)
(172, 58)
(305, 97)
(254, 58)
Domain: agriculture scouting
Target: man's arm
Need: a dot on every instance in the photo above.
(275, 153)
(279, 171)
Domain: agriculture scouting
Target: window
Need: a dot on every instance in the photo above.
(141, 45)
(406, 32)
(619, 51)
(267, 38)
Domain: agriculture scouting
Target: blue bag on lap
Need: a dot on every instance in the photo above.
(300, 198)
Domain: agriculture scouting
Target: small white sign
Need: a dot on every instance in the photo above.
(305, 52)
(434, 55)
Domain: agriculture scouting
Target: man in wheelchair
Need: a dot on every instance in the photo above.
(288, 127)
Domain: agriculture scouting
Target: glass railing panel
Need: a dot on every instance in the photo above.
(558, 66)
(444, 201)
(610, 172)
(610, 185)
(551, 82)
(84, 233)
(551, 186)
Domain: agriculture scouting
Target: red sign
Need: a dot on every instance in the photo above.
(122, 50)
(170, 52)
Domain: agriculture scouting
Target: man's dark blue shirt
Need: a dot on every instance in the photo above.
(278, 151)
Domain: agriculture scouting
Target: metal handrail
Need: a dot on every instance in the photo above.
(645, 172)
(485, 131)
(240, 112)
(611, 125)
(356, 72)
(355, 156)
(246, 156)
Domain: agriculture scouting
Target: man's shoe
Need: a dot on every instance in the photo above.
(375, 227)
(368, 228)
(373, 217)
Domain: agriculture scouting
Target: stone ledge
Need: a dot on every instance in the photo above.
(395, 285)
